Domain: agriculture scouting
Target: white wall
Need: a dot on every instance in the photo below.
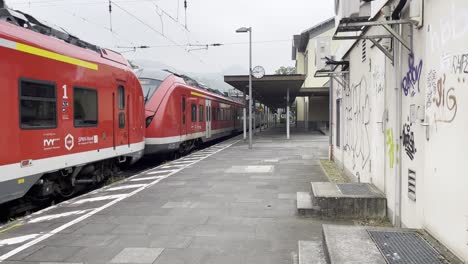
(432, 85)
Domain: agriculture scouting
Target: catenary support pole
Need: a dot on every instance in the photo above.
(244, 115)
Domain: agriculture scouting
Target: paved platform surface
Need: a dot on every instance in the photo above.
(224, 204)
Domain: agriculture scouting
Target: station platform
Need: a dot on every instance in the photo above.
(223, 204)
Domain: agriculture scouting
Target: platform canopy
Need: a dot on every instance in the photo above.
(271, 90)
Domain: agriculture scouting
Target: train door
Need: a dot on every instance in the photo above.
(122, 116)
(208, 119)
(183, 126)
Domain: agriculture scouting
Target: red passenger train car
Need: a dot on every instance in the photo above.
(71, 111)
(181, 113)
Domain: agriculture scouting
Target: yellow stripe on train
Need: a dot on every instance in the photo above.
(55, 56)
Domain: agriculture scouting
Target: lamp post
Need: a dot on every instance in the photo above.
(245, 30)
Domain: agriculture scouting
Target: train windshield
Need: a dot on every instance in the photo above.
(149, 87)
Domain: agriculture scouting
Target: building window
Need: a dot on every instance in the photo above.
(194, 113)
(200, 113)
(306, 64)
(121, 90)
(38, 104)
(85, 107)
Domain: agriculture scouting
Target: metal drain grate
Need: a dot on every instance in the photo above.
(405, 247)
(355, 189)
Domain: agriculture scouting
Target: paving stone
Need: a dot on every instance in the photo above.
(137, 255)
(202, 214)
(53, 254)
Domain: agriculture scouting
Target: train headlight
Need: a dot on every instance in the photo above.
(148, 120)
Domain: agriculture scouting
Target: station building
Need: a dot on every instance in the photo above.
(312, 105)
(399, 82)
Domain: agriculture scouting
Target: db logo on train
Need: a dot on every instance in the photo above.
(69, 142)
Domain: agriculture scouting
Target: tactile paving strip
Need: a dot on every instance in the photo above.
(355, 189)
(405, 247)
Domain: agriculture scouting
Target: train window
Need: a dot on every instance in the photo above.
(194, 113)
(213, 113)
(149, 87)
(200, 113)
(121, 120)
(38, 104)
(121, 97)
(85, 107)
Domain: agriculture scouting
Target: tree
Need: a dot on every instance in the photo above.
(286, 70)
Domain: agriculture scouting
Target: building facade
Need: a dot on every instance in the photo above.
(398, 110)
(308, 49)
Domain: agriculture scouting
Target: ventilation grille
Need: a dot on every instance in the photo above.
(412, 185)
(364, 50)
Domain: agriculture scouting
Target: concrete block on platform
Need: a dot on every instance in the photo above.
(350, 244)
(311, 252)
(349, 200)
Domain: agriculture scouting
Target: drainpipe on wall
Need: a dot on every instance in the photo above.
(398, 73)
(330, 115)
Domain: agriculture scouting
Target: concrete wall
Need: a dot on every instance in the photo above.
(409, 116)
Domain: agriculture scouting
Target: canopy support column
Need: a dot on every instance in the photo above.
(287, 114)
(244, 119)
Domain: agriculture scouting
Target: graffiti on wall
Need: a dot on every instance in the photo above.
(357, 116)
(410, 82)
(390, 142)
(445, 101)
(450, 29)
(408, 140)
(459, 64)
(378, 79)
(431, 87)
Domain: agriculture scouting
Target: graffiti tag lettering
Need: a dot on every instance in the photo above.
(411, 81)
(460, 64)
(431, 87)
(446, 101)
(357, 116)
(408, 141)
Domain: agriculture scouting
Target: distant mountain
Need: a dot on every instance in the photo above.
(235, 70)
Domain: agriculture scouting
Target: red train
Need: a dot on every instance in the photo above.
(73, 112)
(181, 113)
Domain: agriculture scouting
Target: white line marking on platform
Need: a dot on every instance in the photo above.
(93, 212)
(55, 216)
(171, 166)
(181, 162)
(126, 187)
(17, 240)
(146, 178)
(99, 198)
(160, 171)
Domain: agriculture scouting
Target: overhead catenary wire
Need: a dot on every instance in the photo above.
(202, 45)
(155, 30)
(91, 22)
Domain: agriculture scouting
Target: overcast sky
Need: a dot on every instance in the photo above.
(208, 21)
